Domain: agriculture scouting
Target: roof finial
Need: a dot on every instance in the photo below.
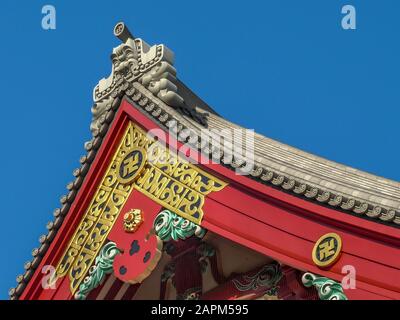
(122, 32)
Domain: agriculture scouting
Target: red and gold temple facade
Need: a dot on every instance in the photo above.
(153, 213)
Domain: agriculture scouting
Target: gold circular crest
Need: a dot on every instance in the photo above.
(129, 168)
(327, 249)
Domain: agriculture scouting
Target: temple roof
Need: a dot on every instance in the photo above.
(145, 75)
(285, 167)
(307, 175)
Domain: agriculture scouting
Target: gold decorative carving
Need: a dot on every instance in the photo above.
(143, 164)
(132, 220)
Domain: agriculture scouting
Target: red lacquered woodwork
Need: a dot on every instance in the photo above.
(260, 217)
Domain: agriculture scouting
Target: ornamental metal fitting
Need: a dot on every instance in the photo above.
(132, 220)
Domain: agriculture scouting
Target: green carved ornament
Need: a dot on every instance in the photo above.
(169, 225)
(327, 288)
(103, 266)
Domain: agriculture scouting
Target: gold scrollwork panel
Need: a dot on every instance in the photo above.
(143, 164)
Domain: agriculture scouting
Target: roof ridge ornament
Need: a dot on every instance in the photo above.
(136, 61)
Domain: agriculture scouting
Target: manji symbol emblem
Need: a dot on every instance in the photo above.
(141, 164)
(131, 165)
(327, 249)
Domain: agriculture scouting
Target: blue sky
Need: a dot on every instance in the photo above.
(285, 68)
